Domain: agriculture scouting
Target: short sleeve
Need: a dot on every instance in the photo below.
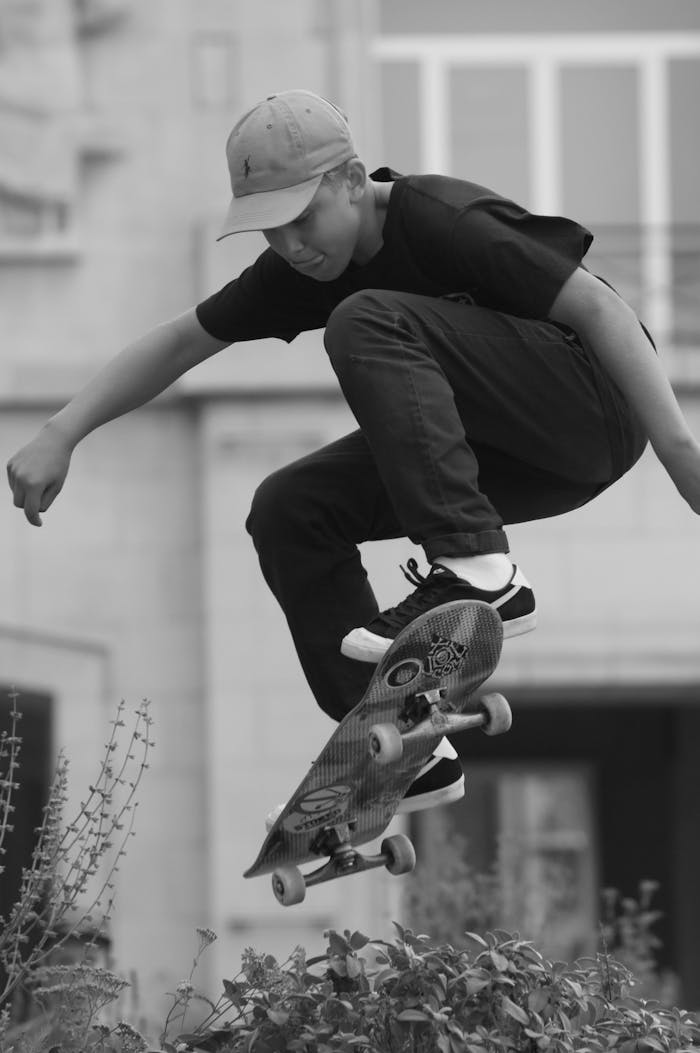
(268, 299)
(514, 260)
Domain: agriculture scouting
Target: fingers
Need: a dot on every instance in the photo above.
(32, 515)
(31, 499)
(34, 491)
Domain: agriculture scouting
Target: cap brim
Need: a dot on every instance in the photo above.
(271, 208)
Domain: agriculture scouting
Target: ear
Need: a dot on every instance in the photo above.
(356, 179)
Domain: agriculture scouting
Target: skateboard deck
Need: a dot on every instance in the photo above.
(423, 688)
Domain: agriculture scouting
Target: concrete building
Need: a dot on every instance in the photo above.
(143, 583)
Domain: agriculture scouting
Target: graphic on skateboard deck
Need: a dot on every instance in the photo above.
(422, 689)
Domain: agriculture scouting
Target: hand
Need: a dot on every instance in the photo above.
(37, 472)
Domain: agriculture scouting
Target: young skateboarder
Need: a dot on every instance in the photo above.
(493, 378)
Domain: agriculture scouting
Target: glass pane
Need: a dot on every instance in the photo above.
(490, 129)
(400, 131)
(517, 852)
(600, 144)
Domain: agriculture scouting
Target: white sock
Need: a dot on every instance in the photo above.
(490, 571)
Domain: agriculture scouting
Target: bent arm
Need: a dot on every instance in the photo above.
(607, 325)
(136, 375)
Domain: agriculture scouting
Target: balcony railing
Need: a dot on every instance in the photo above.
(658, 273)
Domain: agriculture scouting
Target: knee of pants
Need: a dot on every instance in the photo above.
(274, 509)
(353, 326)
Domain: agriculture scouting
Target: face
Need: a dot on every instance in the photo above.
(322, 241)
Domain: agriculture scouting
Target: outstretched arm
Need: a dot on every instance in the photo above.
(146, 367)
(607, 325)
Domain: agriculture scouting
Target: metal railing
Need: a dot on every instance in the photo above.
(617, 255)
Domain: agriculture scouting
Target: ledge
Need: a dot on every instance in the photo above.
(42, 250)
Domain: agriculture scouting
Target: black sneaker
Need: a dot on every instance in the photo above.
(515, 603)
(440, 781)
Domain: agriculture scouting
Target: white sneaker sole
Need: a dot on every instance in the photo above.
(364, 646)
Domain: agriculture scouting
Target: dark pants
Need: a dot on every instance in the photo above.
(469, 420)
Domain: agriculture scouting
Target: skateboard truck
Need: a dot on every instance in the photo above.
(386, 741)
(397, 854)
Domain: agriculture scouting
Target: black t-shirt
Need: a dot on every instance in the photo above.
(442, 237)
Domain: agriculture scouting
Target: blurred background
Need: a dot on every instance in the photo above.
(143, 582)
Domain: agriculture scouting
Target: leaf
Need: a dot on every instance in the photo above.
(514, 1011)
(358, 940)
(410, 1016)
(477, 939)
(400, 929)
(499, 960)
(474, 985)
(564, 1020)
(337, 944)
(278, 1017)
(233, 992)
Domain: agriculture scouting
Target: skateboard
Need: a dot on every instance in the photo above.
(423, 688)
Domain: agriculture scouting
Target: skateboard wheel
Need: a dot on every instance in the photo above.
(399, 853)
(289, 886)
(498, 715)
(385, 743)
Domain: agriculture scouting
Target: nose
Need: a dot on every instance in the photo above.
(286, 241)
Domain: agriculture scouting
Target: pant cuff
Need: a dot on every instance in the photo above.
(466, 544)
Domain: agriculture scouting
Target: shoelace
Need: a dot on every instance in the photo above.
(413, 605)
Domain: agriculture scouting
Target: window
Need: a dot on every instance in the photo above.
(534, 823)
(30, 220)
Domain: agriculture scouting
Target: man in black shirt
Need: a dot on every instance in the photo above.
(493, 378)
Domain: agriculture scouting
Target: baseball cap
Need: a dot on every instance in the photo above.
(277, 154)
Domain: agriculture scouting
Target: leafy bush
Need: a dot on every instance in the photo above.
(414, 995)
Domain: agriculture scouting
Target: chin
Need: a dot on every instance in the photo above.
(334, 270)
(327, 273)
